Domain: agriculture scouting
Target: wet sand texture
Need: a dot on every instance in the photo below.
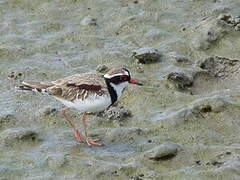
(183, 124)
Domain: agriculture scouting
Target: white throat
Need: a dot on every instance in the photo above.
(119, 87)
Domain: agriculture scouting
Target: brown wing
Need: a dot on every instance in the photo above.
(78, 86)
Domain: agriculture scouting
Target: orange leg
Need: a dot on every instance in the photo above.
(76, 132)
(88, 140)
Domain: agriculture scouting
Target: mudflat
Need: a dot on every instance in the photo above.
(183, 124)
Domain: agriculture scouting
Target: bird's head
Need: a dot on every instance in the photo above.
(119, 78)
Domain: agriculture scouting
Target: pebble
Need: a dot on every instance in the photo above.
(237, 20)
(226, 17)
(146, 55)
(14, 135)
(179, 58)
(7, 119)
(218, 66)
(14, 75)
(164, 151)
(116, 112)
(102, 68)
(180, 80)
(211, 104)
(237, 27)
(89, 21)
(49, 111)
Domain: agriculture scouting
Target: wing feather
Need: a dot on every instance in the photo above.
(78, 86)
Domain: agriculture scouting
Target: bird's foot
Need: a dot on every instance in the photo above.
(94, 142)
(77, 135)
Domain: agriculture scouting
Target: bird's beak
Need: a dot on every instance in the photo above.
(133, 81)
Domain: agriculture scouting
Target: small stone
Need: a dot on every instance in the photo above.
(14, 75)
(225, 17)
(218, 66)
(140, 69)
(202, 108)
(102, 68)
(146, 55)
(14, 135)
(7, 119)
(180, 80)
(178, 58)
(88, 20)
(163, 152)
(198, 162)
(115, 112)
(216, 163)
(237, 27)
(183, 29)
(237, 20)
(49, 111)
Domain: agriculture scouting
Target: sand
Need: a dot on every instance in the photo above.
(183, 124)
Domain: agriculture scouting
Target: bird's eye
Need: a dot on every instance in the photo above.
(124, 78)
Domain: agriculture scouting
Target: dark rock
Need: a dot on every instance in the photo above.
(205, 108)
(49, 111)
(229, 19)
(226, 17)
(219, 66)
(180, 80)
(211, 104)
(15, 75)
(15, 135)
(165, 151)
(215, 163)
(146, 55)
(198, 162)
(7, 119)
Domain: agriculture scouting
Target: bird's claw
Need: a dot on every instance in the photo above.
(94, 142)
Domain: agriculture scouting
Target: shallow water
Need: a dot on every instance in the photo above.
(46, 40)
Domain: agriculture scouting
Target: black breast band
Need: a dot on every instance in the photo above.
(111, 91)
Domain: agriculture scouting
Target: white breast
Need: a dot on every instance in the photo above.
(119, 88)
(94, 103)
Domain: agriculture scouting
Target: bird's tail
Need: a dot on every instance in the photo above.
(40, 87)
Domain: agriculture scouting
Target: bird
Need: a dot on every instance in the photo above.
(89, 92)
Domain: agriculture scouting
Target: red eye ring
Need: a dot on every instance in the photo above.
(123, 78)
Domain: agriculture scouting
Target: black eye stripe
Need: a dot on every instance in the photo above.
(119, 79)
(124, 78)
(115, 80)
